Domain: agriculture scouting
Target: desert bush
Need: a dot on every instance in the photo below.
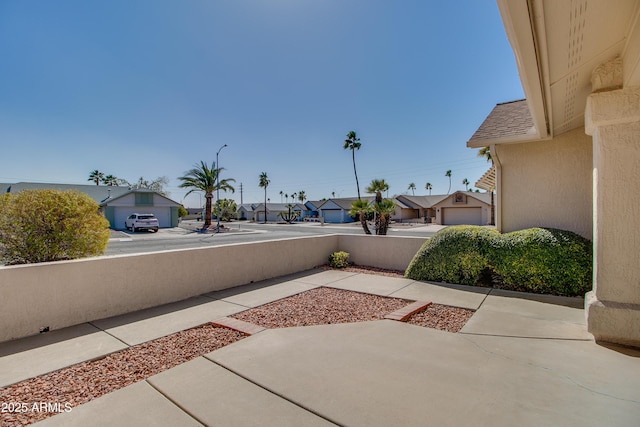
(50, 225)
(455, 255)
(544, 260)
(339, 259)
(534, 260)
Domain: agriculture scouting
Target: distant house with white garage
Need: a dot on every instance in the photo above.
(464, 208)
(246, 211)
(117, 209)
(336, 211)
(116, 202)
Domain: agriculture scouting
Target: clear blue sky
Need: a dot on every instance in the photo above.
(151, 87)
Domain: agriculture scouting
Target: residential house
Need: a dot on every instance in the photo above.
(116, 202)
(419, 207)
(463, 208)
(567, 156)
(274, 212)
(336, 211)
(117, 209)
(246, 211)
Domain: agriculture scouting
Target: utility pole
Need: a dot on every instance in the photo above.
(241, 193)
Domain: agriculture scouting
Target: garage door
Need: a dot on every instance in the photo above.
(121, 213)
(332, 215)
(462, 216)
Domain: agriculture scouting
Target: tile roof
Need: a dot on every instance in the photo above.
(508, 120)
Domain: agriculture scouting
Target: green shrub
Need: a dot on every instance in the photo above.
(455, 255)
(50, 225)
(339, 259)
(534, 260)
(544, 260)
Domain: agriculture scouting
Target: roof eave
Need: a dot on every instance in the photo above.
(517, 20)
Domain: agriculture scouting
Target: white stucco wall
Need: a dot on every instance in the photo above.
(547, 184)
(66, 293)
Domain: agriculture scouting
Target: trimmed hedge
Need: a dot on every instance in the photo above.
(539, 260)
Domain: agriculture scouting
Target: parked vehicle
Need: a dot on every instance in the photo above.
(138, 221)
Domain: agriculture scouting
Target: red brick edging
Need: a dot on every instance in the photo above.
(405, 312)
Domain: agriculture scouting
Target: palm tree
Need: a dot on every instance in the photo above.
(412, 187)
(286, 197)
(486, 153)
(281, 193)
(264, 183)
(448, 174)
(96, 176)
(204, 178)
(110, 180)
(302, 196)
(360, 208)
(383, 211)
(429, 187)
(465, 182)
(353, 143)
(377, 186)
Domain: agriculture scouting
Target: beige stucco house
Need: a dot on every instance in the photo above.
(569, 155)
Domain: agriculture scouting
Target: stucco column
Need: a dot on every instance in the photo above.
(612, 118)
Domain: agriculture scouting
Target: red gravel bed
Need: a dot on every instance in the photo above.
(86, 381)
(321, 306)
(366, 270)
(442, 317)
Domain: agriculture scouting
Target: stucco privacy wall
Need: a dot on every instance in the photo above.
(532, 194)
(67, 293)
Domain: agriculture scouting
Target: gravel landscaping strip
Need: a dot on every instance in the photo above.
(86, 381)
(321, 306)
(442, 317)
(366, 270)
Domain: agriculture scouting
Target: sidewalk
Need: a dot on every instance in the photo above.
(520, 360)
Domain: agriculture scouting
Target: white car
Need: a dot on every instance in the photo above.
(138, 221)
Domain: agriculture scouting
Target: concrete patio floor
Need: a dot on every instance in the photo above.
(520, 360)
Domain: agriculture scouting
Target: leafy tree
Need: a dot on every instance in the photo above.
(96, 176)
(412, 187)
(228, 209)
(156, 185)
(448, 174)
(182, 212)
(360, 209)
(50, 225)
(353, 143)
(429, 187)
(486, 153)
(204, 178)
(465, 182)
(263, 182)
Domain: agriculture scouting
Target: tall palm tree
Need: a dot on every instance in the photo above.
(429, 187)
(96, 176)
(264, 183)
(412, 187)
(486, 153)
(281, 193)
(204, 178)
(302, 196)
(353, 143)
(465, 182)
(361, 208)
(448, 174)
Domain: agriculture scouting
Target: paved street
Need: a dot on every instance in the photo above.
(125, 242)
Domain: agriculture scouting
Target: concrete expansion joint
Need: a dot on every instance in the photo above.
(182, 408)
(110, 334)
(275, 393)
(238, 325)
